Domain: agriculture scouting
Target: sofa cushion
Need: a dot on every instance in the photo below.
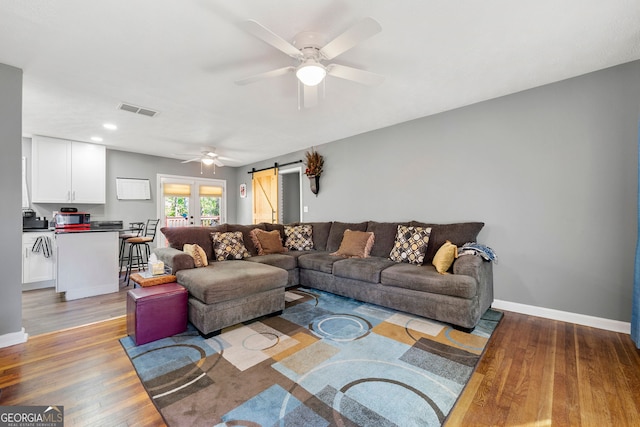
(320, 234)
(443, 260)
(457, 233)
(298, 237)
(337, 231)
(179, 236)
(385, 236)
(277, 260)
(226, 280)
(319, 261)
(355, 244)
(425, 278)
(229, 246)
(197, 253)
(270, 227)
(267, 242)
(410, 244)
(365, 269)
(246, 235)
(298, 254)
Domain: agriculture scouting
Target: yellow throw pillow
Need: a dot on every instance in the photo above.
(197, 253)
(355, 244)
(445, 256)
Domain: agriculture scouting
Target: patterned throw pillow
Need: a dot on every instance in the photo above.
(229, 245)
(197, 253)
(410, 244)
(298, 237)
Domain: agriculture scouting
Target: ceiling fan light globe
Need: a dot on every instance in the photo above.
(311, 74)
(207, 161)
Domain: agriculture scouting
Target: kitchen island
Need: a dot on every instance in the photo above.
(87, 262)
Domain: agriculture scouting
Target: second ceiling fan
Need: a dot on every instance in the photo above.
(311, 50)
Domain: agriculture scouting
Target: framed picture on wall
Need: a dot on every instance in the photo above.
(243, 190)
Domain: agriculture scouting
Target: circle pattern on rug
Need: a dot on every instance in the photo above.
(340, 327)
(261, 341)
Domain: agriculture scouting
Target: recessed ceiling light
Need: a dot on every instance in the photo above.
(96, 139)
(110, 126)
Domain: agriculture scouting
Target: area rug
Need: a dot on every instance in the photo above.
(327, 360)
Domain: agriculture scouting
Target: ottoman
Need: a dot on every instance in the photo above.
(156, 312)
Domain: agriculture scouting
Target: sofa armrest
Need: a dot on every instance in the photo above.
(175, 259)
(482, 271)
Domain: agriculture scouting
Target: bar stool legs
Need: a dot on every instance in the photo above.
(138, 259)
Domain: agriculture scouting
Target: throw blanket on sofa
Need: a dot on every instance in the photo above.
(478, 249)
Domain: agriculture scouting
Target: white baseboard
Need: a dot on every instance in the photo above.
(7, 340)
(564, 316)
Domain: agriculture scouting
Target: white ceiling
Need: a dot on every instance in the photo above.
(82, 58)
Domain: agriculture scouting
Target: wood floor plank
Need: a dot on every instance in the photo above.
(539, 372)
(83, 369)
(44, 310)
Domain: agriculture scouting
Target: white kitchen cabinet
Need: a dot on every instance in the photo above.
(67, 171)
(87, 263)
(36, 267)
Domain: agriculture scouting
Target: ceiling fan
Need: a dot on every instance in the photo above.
(207, 157)
(311, 50)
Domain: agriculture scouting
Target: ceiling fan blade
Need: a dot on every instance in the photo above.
(354, 74)
(269, 37)
(310, 96)
(354, 35)
(268, 74)
(217, 162)
(192, 160)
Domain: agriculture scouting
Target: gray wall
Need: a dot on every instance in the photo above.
(11, 219)
(551, 171)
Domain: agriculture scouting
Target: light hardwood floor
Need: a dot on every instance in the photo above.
(44, 310)
(535, 372)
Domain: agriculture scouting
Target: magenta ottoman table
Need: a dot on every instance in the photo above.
(156, 312)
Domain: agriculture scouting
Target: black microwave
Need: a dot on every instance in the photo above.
(72, 220)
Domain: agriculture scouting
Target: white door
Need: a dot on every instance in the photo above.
(188, 202)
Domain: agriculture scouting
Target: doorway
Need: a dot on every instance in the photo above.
(290, 192)
(265, 196)
(277, 196)
(187, 202)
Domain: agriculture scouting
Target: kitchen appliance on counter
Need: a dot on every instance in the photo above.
(72, 221)
(106, 225)
(31, 222)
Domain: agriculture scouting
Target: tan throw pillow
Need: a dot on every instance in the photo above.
(267, 242)
(410, 244)
(445, 256)
(197, 253)
(355, 244)
(229, 245)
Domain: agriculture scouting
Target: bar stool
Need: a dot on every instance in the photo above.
(137, 259)
(135, 229)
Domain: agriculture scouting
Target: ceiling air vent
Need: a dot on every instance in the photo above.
(138, 110)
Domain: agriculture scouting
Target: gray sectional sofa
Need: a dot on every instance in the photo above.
(231, 291)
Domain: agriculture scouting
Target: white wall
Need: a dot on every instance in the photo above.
(552, 172)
